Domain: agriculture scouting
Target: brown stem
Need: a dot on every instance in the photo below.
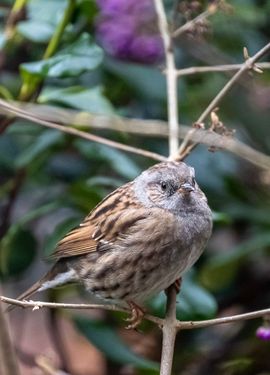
(169, 332)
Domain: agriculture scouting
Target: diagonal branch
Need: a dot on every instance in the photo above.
(41, 114)
(185, 148)
(90, 137)
(190, 24)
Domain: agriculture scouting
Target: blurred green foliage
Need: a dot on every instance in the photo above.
(63, 177)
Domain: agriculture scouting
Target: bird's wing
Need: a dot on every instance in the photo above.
(110, 220)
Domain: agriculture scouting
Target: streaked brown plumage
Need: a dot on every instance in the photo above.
(138, 240)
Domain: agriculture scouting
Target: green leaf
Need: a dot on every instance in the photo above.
(221, 269)
(37, 31)
(91, 100)
(17, 251)
(88, 8)
(198, 303)
(79, 57)
(59, 232)
(221, 217)
(147, 81)
(110, 344)
(194, 302)
(85, 197)
(47, 139)
(9, 152)
(104, 181)
(52, 15)
(17, 248)
(40, 24)
(119, 161)
(36, 213)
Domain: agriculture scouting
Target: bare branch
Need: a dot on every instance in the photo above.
(190, 24)
(36, 305)
(169, 329)
(227, 319)
(40, 113)
(169, 333)
(172, 99)
(88, 136)
(247, 65)
(216, 68)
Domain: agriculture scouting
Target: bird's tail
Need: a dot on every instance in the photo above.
(58, 275)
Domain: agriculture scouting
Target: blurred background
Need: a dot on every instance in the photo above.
(106, 57)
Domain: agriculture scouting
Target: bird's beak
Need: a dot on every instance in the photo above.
(186, 188)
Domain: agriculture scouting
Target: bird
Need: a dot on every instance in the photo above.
(137, 241)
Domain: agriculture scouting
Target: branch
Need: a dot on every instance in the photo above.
(169, 329)
(184, 149)
(171, 77)
(216, 68)
(249, 64)
(43, 114)
(36, 305)
(13, 17)
(82, 134)
(227, 319)
(169, 332)
(190, 24)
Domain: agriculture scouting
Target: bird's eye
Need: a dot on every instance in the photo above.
(163, 185)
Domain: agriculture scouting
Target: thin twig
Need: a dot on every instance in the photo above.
(88, 136)
(36, 305)
(190, 24)
(247, 65)
(172, 99)
(225, 320)
(217, 68)
(13, 17)
(8, 363)
(39, 113)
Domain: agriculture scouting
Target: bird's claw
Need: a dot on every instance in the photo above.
(136, 316)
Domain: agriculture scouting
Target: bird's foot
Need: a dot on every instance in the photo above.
(176, 285)
(137, 314)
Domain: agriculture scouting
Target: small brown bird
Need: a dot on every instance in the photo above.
(138, 241)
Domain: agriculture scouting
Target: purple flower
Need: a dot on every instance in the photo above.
(147, 48)
(127, 29)
(263, 333)
(136, 8)
(116, 38)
